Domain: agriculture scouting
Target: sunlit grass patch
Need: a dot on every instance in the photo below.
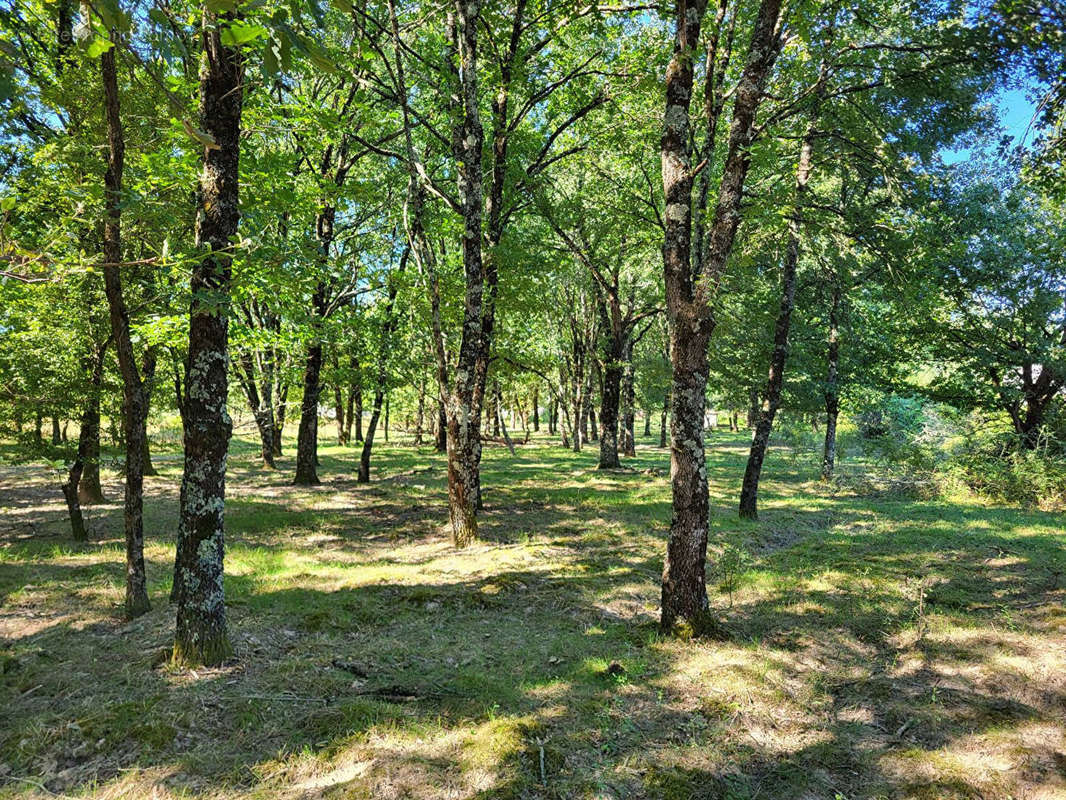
(880, 646)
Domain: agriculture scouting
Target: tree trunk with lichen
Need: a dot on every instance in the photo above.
(464, 400)
(689, 283)
(684, 591)
(201, 636)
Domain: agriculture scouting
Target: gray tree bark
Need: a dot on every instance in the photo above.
(200, 635)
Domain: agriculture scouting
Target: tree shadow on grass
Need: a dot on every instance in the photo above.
(465, 687)
(492, 681)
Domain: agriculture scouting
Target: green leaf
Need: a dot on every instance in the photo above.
(284, 50)
(318, 57)
(7, 203)
(238, 33)
(112, 16)
(98, 46)
(271, 65)
(221, 6)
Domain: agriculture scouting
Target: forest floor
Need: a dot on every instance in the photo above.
(881, 646)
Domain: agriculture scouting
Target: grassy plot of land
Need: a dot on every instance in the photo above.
(880, 646)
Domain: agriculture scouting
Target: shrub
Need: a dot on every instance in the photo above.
(995, 465)
(907, 432)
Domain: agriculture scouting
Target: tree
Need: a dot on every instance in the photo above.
(695, 256)
(381, 377)
(1001, 312)
(599, 239)
(135, 407)
(201, 636)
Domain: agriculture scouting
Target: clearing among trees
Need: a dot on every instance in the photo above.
(878, 646)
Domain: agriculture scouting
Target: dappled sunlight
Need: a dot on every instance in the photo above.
(878, 647)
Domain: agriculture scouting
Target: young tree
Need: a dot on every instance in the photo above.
(135, 406)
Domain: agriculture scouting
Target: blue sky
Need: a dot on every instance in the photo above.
(1015, 115)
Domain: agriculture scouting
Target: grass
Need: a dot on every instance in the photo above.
(879, 647)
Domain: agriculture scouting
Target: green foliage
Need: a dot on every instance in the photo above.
(994, 463)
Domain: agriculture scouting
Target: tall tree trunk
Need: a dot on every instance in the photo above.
(629, 445)
(147, 380)
(201, 636)
(503, 424)
(70, 494)
(282, 394)
(749, 492)
(609, 397)
(420, 415)
(38, 425)
(536, 409)
(338, 409)
(307, 439)
(90, 492)
(381, 379)
(647, 422)
(663, 418)
(64, 35)
(179, 391)
(689, 285)
(832, 389)
(89, 489)
(357, 400)
(684, 588)
(57, 436)
(349, 414)
(468, 391)
(261, 406)
(441, 442)
(590, 405)
(338, 399)
(371, 429)
(581, 423)
(135, 405)
(92, 404)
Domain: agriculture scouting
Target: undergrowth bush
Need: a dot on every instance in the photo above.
(996, 466)
(917, 448)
